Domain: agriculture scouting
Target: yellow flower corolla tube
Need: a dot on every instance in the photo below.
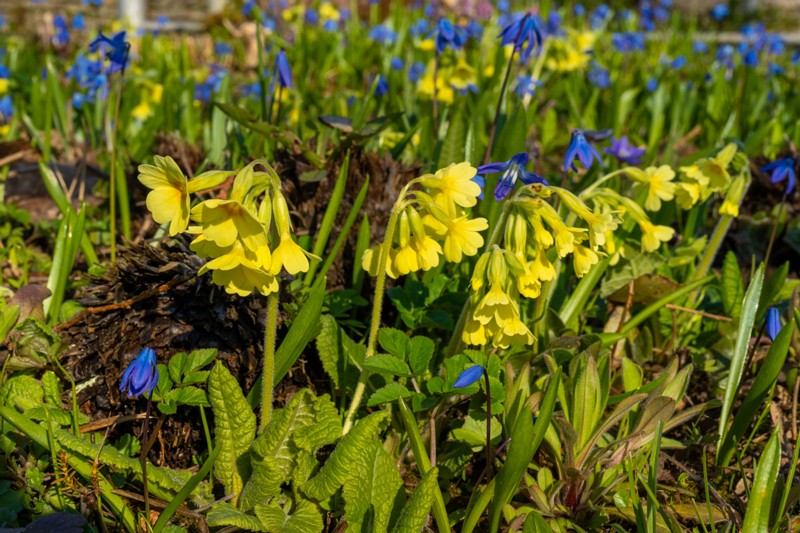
(225, 221)
(427, 249)
(583, 258)
(653, 236)
(240, 272)
(463, 237)
(513, 332)
(528, 283)
(730, 206)
(479, 274)
(370, 261)
(716, 168)
(541, 266)
(598, 223)
(288, 254)
(406, 256)
(453, 186)
(658, 183)
(168, 200)
(687, 194)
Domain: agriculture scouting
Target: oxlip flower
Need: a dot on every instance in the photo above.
(580, 148)
(468, 377)
(625, 152)
(141, 376)
(512, 170)
(782, 169)
(520, 31)
(773, 322)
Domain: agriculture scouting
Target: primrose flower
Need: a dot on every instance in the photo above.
(141, 376)
(733, 196)
(169, 199)
(659, 185)
(223, 222)
(288, 253)
(241, 271)
(468, 377)
(782, 169)
(512, 170)
(463, 237)
(519, 32)
(653, 236)
(116, 49)
(453, 186)
(283, 70)
(716, 168)
(625, 152)
(448, 36)
(580, 148)
(773, 323)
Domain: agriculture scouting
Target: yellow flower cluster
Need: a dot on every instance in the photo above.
(534, 236)
(429, 223)
(457, 77)
(571, 52)
(236, 234)
(713, 175)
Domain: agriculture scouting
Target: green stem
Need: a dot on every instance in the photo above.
(380, 288)
(143, 458)
(112, 146)
(723, 224)
(269, 359)
(588, 190)
(494, 239)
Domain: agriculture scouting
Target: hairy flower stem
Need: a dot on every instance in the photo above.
(270, 333)
(497, 233)
(380, 289)
(143, 457)
(488, 423)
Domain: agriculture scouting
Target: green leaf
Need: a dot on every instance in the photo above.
(339, 466)
(52, 389)
(235, 429)
(199, 358)
(395, 342)
(586, 409)
(749, 310)
(389, 393)
(306, 424)
(732, 285)
(373, 489)
(753, 402)
(328, 347)
(176, 365)
(225, 514)
(454, 144)
(420, 355)
(304, 519)
(187, 396)
(416, 511)
(387, 364)
(772, 288)
(8, 317)
(22, 391)
(756, 517)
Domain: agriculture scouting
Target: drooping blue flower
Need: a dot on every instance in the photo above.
(447, 35)
(720, 12)
(580, 148)
(283, 70)
(474, 29)
(578, 10)
(468, 377)
(6, 108)
(141, 376)
(330, 25)
(678, 63)
(526, 86)
(773, 322)
(61, 31)
(782, 169)
(222, 49)
(512, 170)
(419, 27)
(203, 91)
(699, 47)
(115, 48)
(503, 6)
(599, 77)
(750, 57)
(381, 86)
(247, 7)
(79, 22)
(397, 63)
(651, 85)
(522, 30)
(629, 41)
(311, 16)
(599, 16)
(625, 152)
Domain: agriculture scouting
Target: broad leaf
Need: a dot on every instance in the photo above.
(373, 490)
(304, 518)
(387, 364)
(225, 514)
(419, 505)
(389, 393)
(420, 355)
(395, 342)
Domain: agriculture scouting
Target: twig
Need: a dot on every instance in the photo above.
(721, 318)
(107, 422)
(127, 304)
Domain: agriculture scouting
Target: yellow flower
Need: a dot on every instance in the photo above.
(141, 111)
(225, 221)
(528, 283)
(5, 129)
(426, 249)
(658, 182)
(240, 272)
(288, 255)
(169, 199)
(541, 266)
(599, 223)
(156, 93)
(566, 56)
(583, 258)
(3, 85)
(474, 333)
(653, 236)
(687, 194)
(328, 11)
(462, 75)
(514, 332)
(444, 91)
(733, 197)
(452, 186)
(716, 168)
(371, 259)
(463, 238)
(426, 45)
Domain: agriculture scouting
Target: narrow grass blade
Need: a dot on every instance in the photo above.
(756, 517)
(749, 310)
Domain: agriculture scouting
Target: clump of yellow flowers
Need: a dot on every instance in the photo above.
(246, 238)
(430, 223)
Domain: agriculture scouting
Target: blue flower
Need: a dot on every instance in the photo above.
(382, 34)
(419, 27)
(526, 86)
(578, 10)
(720, 12)
(625, 152)
(141, 376)
(6, 108)
(773, 322)
(116, 49)
(512, 170)
(599, 77)
(61, 33)
(630, 41)
(651, 85)
(283, 69)
(521, 31)
(222, 49)
(416, 71)
(580, 148)
(448, 35)
(699, 47)
(381, 87)
(311, 16)
(678, 62)
(95, 3)
(247, 7)
(474, 30)
(599, 16)
(503, 6)
(468, 377)
(397, 63)
(782, 169)
(79, 22)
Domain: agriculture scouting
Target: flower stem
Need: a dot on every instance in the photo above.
(774, 230)
(380, 288)
(585, 194)
(143, 457)
(269, 359)
(488, 423)
(497, 233)
(112, 147)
